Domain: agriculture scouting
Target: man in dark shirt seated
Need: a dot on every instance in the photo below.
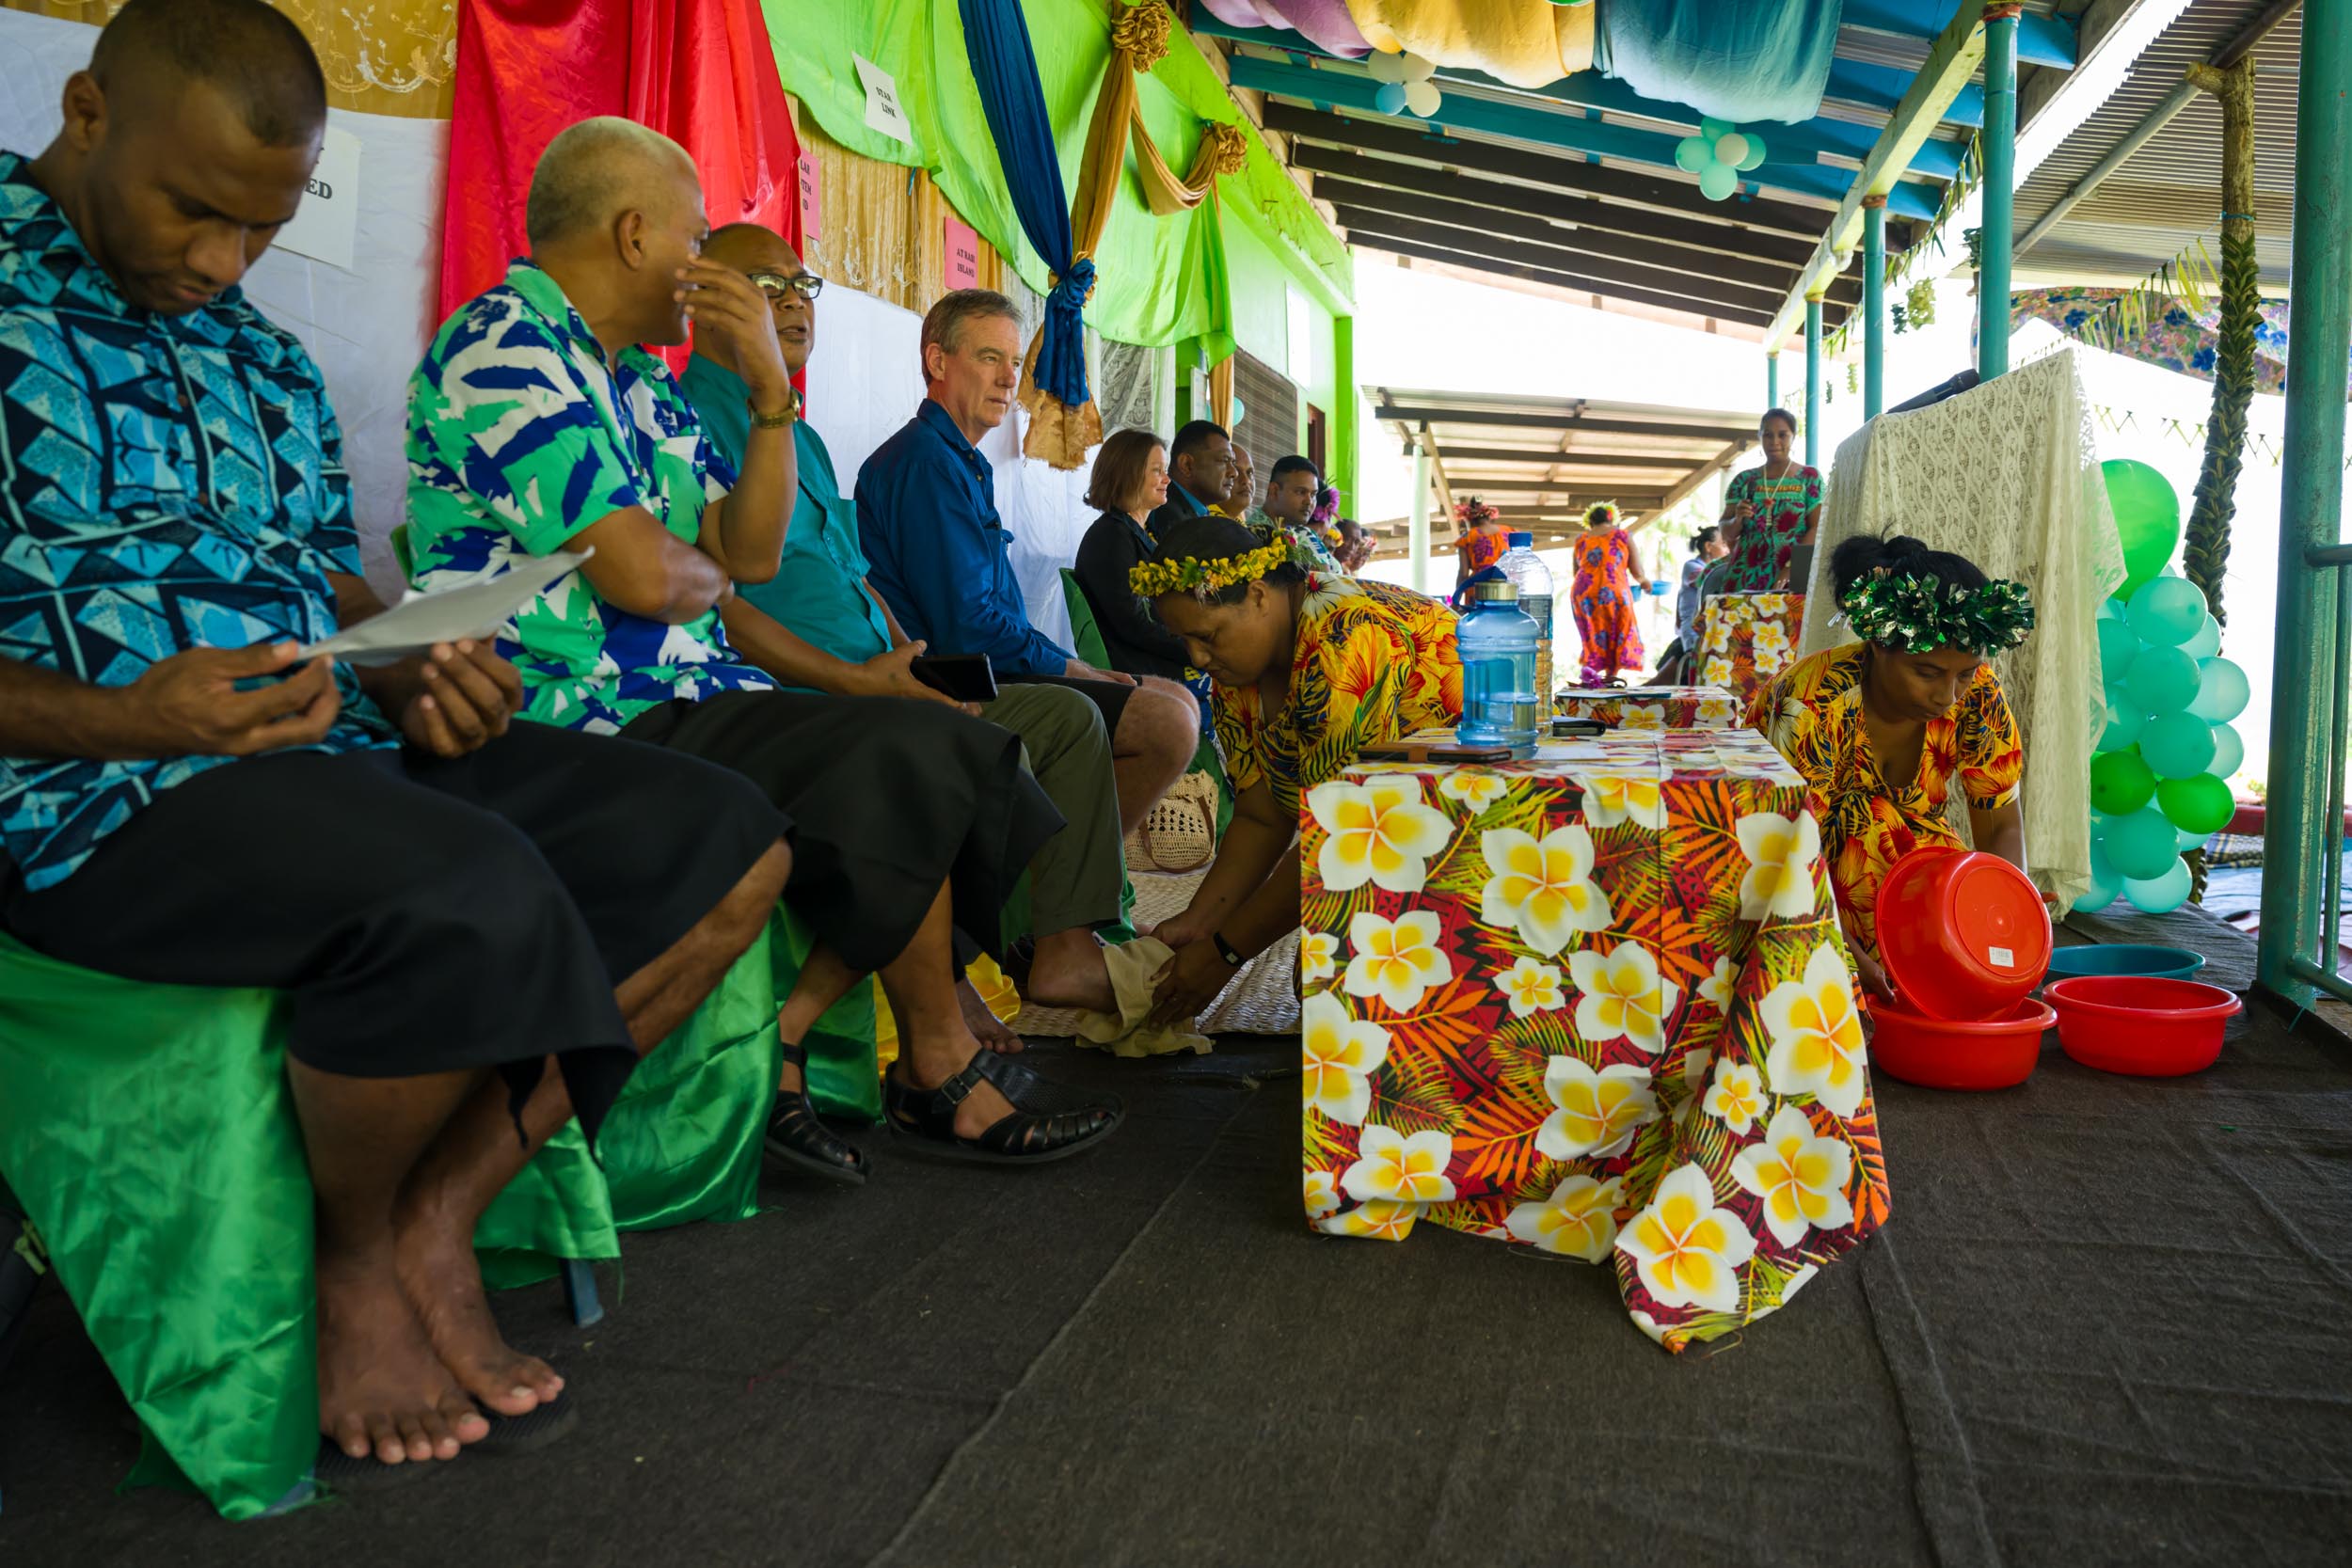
(1200, 467)
(1290, 497)
(818, 603)
(927, 518)
(185, 799)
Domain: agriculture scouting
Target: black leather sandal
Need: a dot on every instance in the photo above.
(796, 1136)
(1048, 1122)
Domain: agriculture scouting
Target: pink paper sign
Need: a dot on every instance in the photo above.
(964, 254)
(812, 198)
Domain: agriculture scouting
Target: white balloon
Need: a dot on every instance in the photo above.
(1417, 69)
(1386, 68)
(2193, 841)
(1731, 149)
(1422, 98)
(2228, 752)
(2207, 643)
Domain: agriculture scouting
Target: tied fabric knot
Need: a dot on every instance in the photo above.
(1228, 149)
(1140, 33)
(1061, 355)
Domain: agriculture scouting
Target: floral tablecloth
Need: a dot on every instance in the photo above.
(1656, 707)
(1595, 1003)
(1747, 639)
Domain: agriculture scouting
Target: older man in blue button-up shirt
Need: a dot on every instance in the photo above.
(926, 516)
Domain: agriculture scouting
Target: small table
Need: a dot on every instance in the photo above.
(1747, 639)
(1595, 1003)
(1654, 707)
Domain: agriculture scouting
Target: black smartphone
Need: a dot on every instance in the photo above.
(966, 677)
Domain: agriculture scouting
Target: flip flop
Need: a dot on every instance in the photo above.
(518, 1434)
(336, 1471)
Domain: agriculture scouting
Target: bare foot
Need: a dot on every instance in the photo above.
(989, 1030)
(1069, 972)
(382, 1390)
(443, 1284)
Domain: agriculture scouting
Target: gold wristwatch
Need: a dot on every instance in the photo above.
(777, 422)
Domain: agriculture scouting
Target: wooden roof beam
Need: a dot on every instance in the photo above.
(1490, 253)
(1559, 459)
(1420, 414)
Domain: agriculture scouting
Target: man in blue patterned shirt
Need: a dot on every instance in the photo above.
(537, 422)
(184, 799)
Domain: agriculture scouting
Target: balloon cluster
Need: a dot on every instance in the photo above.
(1719, 155)
(1404, 85)
(2159, 782)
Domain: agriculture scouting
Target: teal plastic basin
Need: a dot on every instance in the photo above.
(2126, 958)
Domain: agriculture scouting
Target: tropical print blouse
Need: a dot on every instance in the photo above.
(1769, 539)
(1812, 712)
(1373, 662)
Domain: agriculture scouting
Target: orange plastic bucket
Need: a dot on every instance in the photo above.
(1963, 935)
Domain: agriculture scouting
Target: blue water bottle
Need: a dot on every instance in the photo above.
(1498, 642)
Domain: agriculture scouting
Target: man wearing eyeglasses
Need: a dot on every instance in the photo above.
(820, 598)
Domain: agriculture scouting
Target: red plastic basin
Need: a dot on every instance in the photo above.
(2147, 1028)
(1962, 935)
(1940, 1053)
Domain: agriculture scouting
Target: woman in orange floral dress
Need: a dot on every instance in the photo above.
(1306, 669)
(1879, 729)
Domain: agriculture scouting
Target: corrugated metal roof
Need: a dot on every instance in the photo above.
(2169, 191)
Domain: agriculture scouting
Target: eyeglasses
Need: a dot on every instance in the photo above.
(775, 285)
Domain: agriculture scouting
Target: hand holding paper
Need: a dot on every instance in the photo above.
(421, 620)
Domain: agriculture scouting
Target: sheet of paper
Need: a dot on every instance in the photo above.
(812, 200)
(883, 112)
(326, 226)
(964, 253)
(421, 620)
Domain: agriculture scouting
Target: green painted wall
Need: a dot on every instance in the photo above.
(1282, 317)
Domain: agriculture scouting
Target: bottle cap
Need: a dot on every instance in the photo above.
(1495, 592)
(1522, 541)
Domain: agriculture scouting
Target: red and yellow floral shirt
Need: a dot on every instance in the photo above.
(1372, 662)
(1812, 713)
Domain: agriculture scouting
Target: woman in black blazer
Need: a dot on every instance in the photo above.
(1130, 480)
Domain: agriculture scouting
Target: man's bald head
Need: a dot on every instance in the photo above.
(598, 169)
(249, 53)
(750, 247)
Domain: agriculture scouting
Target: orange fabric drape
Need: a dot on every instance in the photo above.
(881, 227)
(1221, 391)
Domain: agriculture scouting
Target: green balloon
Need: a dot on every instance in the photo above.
(2121, 782)
(2167, 611)
(2207, 643)
(2146, 517)
(2199, 806)
(2124, 724)
(2161, 895)
(2163, 680)
(2228, 752)
(2222, 691)
(2142, 846)
(2177, 746)
(2118, 647)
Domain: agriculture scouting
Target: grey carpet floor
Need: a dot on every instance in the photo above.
(2104, 1326)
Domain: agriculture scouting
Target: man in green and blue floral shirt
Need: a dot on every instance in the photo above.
(536, 423)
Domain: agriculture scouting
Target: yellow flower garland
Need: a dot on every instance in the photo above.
(1191, 574)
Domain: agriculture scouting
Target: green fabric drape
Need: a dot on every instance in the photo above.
(148, 1133)
(1159, 280)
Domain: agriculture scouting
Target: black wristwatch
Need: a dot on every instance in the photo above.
(1225, 950)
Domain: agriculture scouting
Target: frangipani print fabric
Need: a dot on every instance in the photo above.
(1656, 707)
(1747, 639)
(1595, 1003)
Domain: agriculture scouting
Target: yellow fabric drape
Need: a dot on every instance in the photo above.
(1061, 435)
(1528, 43)
(386, 57)
(1221, 391)
(881, 228)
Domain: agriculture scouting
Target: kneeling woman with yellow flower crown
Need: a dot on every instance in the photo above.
(1879, 728)
(1307, 668)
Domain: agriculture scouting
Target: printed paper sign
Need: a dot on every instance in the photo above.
(882, 110)
(964, 254)
(325, 227)
(812, 200)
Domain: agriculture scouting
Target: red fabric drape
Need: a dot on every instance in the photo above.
(700, 71)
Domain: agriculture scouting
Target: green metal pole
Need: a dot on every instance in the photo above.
(1873, 306)
(2306, 714)
(1772, 381)
(1812, 383)
(2000, 196)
